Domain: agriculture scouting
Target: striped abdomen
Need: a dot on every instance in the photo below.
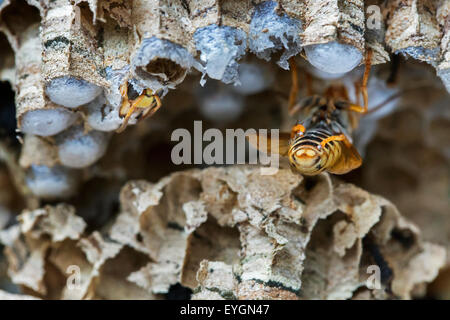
(308, 156)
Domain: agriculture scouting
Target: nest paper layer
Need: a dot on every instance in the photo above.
(227, 234)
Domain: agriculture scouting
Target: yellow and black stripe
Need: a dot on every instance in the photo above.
(307, 154)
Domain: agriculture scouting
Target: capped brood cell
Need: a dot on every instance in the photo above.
(220, 48)
(79, 149)
(272, 30)
(35, 113)
(102, 116)
(52, 183)
(72, 62)
(333, 57)
(334, 34)
(71, 92)
(47, 122)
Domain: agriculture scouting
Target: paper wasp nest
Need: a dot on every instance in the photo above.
(226, 63)
(226, 234)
